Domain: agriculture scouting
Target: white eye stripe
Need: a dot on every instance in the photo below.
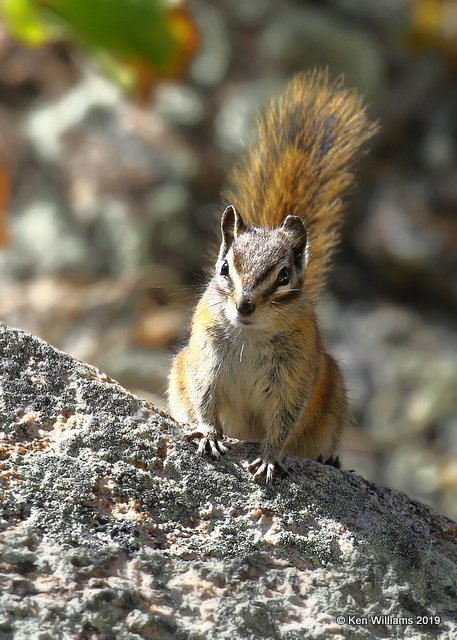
(236, 280)
(266, 287)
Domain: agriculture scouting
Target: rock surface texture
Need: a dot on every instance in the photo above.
(112, 527)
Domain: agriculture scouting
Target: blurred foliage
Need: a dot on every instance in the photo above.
(4, 192)
(136, 42)
(434, 23)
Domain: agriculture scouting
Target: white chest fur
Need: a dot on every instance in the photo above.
(244, 387)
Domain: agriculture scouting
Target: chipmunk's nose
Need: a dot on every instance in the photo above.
(245, 306)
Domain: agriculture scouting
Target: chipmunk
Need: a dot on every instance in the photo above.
(255, 367)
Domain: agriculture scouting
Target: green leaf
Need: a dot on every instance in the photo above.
(129, 28)
(23, 20)
(135, 41)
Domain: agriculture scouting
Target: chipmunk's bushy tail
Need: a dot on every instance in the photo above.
(301, 163)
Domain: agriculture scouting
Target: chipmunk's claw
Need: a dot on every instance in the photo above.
(332, 461)
(264, 471)
(209, 445)
(212, 447)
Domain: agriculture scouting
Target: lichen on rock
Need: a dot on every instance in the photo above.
(112, 527)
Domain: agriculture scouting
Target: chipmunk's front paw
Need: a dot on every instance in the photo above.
(212, 447)
(209, 445)
(265, 471)
(332, 461)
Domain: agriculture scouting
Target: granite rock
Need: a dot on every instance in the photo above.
(112, 527)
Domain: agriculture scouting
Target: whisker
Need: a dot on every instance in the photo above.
(279, 293)
(208, 306)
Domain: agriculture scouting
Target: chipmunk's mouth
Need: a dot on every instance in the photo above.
(240, 320)
(244, 321)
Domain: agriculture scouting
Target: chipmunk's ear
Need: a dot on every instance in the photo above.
(232, 225)
(296, 231)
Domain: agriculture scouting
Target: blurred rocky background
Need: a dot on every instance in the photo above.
(111, 202)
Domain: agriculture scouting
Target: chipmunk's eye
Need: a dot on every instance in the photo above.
(224, 268)
(283, 277)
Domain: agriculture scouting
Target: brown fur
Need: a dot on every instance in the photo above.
(301, 164)
(263, 375)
